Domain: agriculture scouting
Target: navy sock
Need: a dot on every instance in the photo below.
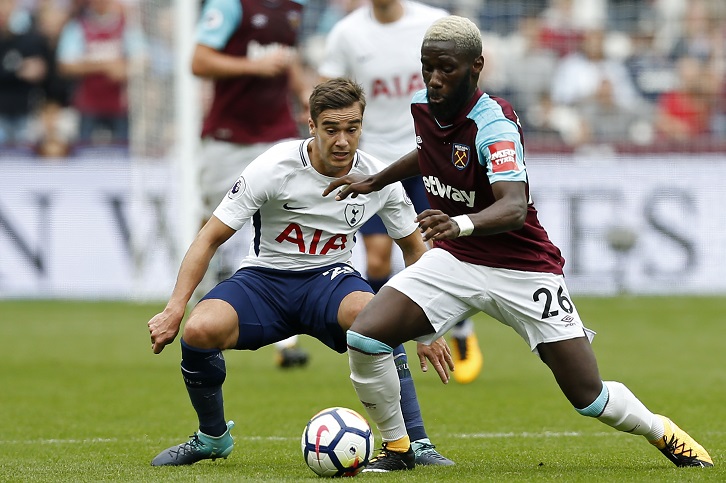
(377, 283)
(409, 402)
(204, 371)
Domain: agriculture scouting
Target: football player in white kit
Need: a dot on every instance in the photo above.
(297, 277)
(378, 45)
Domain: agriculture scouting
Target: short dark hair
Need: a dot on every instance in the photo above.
(335, 93)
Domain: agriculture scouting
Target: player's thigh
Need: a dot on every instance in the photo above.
(212, 324)
(536, 305)
(332, 300)
(256, 299)
(379, 248)
(439, 286)
(351, 306)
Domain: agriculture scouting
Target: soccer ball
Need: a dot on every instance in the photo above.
(337, 442)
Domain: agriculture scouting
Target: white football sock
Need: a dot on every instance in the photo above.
(462, 329)
(284, 344)
(625, 412)
(375, 380)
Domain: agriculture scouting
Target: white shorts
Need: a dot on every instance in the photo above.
(535, 304)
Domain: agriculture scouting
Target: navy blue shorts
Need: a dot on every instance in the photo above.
(273, 305)
(415, 189)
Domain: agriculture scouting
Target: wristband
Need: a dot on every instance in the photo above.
(466, 226)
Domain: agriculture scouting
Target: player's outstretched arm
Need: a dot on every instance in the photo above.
(439, 354)
(164, 327)
(351, 185)
(354, 185)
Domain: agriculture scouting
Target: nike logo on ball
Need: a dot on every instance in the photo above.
(288, 207)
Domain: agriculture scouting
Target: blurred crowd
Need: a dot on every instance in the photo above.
(627, 76)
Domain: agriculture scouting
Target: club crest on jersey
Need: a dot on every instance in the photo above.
(294, 19)
(238, 188)
(460, 156)
(354, 214)
(259, 20)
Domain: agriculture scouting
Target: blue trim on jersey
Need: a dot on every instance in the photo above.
(493, 126)
(420, 97)
(598, 405)
(364, 344)
(257, 225)
(218, 21)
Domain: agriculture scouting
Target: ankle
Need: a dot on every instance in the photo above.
(400, 445)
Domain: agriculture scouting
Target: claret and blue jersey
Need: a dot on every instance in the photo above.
(459, 163)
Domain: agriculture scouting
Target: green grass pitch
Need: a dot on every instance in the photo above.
(84, 399)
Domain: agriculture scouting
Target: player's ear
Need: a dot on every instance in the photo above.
(478, 65)
(311, 126)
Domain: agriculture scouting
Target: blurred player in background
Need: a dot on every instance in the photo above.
(379, 45)
(248, 49)
(94, 49)
(298, 279)
(490, 255)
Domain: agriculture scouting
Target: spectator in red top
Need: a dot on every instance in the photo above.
(684, 113)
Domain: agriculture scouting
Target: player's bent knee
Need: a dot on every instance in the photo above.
(351, 306)
(212, 329)
(197, 334)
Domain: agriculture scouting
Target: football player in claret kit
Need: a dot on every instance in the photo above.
(378, 45)
(490, 255)
(297, 277)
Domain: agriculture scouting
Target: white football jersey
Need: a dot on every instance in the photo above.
(385, 59)
(297, 228)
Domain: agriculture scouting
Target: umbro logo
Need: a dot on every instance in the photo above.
(288, 207)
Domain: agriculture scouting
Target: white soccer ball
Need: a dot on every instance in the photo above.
(337, 442)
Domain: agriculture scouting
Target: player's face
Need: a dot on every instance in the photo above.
(450, 79)
(336, 138)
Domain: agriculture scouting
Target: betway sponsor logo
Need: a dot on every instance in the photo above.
(437, 188)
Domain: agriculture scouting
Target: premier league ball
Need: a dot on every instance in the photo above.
(337, 442)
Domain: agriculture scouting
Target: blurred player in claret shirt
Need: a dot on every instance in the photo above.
(379, 46)
(490, 255)
(248, 48)
(298, 278)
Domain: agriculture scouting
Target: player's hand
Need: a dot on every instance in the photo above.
(439, 354)
(437, 225)
(275, 63)
(352, 185)
(163, 329)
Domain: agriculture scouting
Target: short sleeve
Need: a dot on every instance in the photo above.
(218, 21)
